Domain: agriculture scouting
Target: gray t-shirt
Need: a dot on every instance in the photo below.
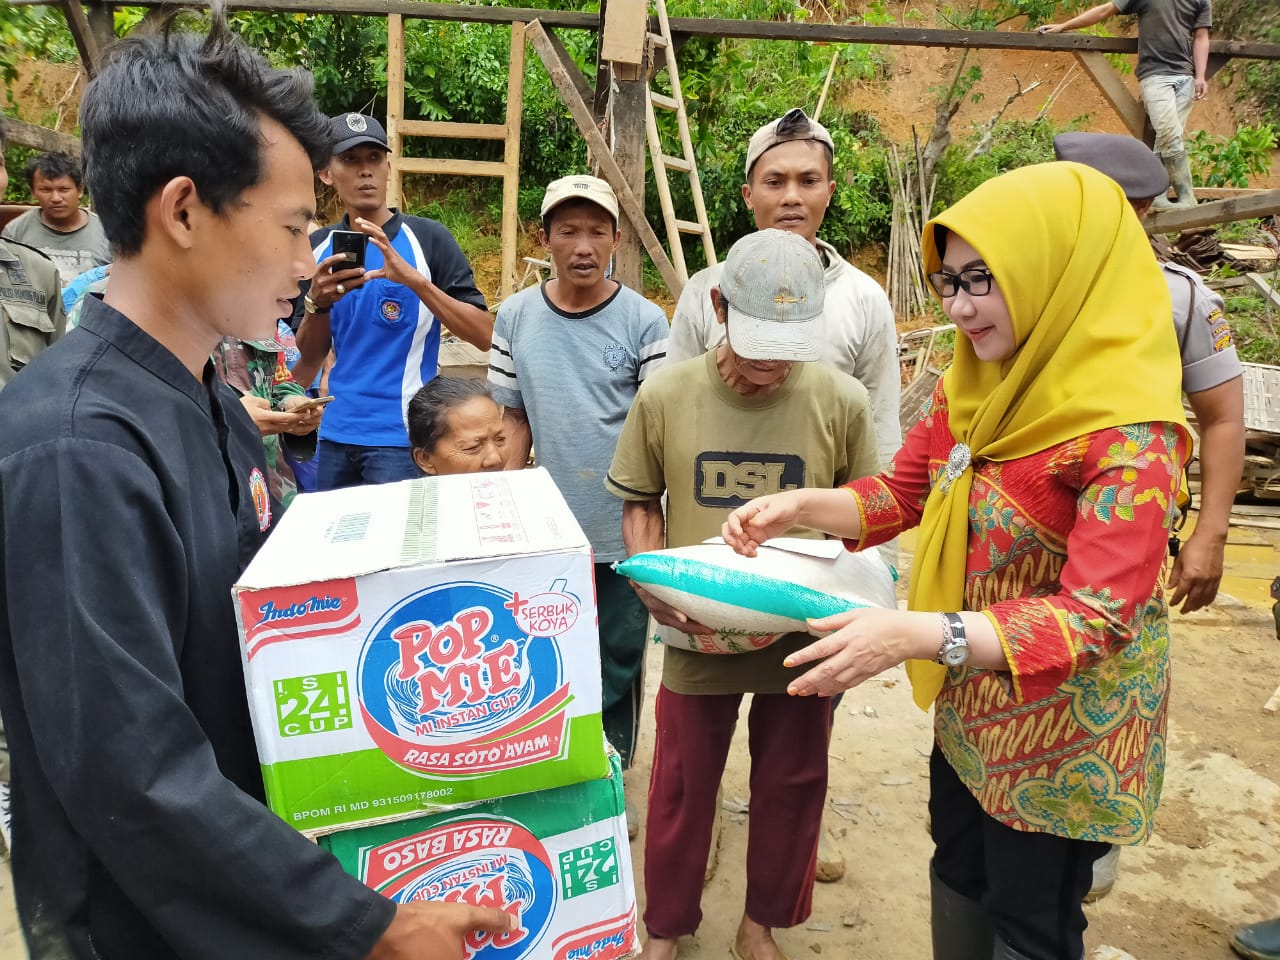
(73, 252)
(575, 376)
(1164, 34)
(1204, 338)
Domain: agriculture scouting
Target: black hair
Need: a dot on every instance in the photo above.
(796, 125)
(54, 165)
(940, 235)
(578, 202)
(429, 409)
(175, 104)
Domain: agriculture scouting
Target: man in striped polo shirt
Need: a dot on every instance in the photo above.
(567, 359)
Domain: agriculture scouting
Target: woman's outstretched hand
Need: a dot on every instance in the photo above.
(762, 519)
(859, 644)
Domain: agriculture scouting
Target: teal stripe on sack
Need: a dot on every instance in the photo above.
(750, 591)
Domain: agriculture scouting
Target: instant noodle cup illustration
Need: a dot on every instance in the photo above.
(416, 646)
(752, 601)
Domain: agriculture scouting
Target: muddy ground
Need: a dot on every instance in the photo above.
(1214, 862)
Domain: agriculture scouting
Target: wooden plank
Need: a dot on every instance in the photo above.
(585, 90)
(631, 205)
(1213, 212)
(1226, 193)
(663, 186)
(395, 107)
(39, 138)
(622, 40)
(451, 167)
(511, 162)
(82, 34)
(102, 22)
(1261, 282)
(714, 27)
(1113, 90)
(448, 130)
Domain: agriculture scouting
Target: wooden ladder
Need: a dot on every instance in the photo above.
(508, 131)
(663, 163)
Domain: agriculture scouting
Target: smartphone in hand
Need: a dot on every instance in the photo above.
(352, 244)
(312, 404)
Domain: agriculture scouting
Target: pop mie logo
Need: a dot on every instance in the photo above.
(466, 679)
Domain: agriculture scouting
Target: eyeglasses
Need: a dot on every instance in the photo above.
(975, 282)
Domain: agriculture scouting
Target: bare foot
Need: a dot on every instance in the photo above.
(658, 949)
(755, 942)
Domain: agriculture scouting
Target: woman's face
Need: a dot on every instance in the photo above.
(984, 318)
(473, 440)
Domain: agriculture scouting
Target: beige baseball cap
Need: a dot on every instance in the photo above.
(792, 125)
(580, 186)
(773, 283)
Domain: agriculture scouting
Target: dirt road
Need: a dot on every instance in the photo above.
(1214, 862)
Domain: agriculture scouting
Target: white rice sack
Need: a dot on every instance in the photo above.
(751, 601)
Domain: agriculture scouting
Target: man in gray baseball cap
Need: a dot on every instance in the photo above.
(1212, 379)
(748, 418)
(789, 184)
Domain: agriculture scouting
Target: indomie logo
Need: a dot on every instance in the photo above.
(298, 613)
(730, 479)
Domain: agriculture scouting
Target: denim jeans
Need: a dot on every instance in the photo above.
(349, 465)
(1168, 101)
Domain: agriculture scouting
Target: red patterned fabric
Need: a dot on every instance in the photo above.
(1066, 552)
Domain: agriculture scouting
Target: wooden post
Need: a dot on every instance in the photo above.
(631, 204)
(1113, 90)
(395, 105)
(629, 105)
(85, 39)
(102, 23)
(511, 158)
(1215, 212)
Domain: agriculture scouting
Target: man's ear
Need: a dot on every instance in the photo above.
(719, 305)
(175, 211)
(543, 239)
(617, 239)
(325, 177)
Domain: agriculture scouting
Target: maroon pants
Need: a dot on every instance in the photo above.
(788, 741)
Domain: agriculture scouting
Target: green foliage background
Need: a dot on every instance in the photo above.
(459, 72)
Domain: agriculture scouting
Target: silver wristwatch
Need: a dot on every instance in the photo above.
(955, 645)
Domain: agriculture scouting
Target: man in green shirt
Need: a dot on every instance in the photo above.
(752, 416)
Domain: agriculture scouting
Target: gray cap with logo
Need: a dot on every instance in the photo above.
(773, 283)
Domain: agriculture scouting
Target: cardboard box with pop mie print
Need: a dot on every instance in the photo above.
(557, 861)
(419, 645)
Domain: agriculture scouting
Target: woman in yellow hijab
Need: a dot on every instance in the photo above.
(1043, 477)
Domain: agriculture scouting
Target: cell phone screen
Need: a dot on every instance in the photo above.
(352, 243)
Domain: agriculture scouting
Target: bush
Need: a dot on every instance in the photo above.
(1015, 143)
(1218, 161)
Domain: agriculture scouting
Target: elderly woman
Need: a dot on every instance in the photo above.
(1043, 477)
(455, 426)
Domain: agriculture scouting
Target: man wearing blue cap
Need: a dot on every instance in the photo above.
(384, 318)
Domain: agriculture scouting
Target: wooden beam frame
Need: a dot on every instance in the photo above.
(1105, 77)
(713, 27)
(83, 35)
(631, 205)
(1216, 211)
(39, 138)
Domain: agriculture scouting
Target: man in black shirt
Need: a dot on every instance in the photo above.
(131, 496)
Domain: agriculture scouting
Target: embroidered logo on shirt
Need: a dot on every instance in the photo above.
(391, 310)
(615, 355)
(727, 478)
(1219, 330)
(261, 498)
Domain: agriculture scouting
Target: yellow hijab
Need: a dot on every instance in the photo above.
(1096, 348)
